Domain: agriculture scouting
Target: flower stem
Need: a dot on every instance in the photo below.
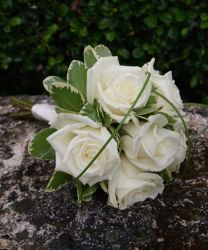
(184, 124)
(118, 127)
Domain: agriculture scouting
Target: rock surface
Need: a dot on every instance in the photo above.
(33, 219)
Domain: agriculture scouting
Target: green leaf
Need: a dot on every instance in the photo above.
(194, 81)
(63, 9)
(124, 53)
(165, 17)
(48, 81)
(14, 21)
(110, 35)
(204, 24)
(166, 175)
(90, 111)
(151, 21)
(85, 192)
(106, 119)
(67, 97)
(96, 113)
(58, 180)
(138, 53)
(39, 146)
(184, 32)
(90, 56)
(77, 76)
(88, 192)
(171, 120)
(102, 50)
(148, 110)
(179, 15)
(152, 100)
(103, 116)
(150, 107)
(204, 16)
(173, 33)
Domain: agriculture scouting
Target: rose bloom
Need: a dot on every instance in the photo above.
(76, 142)
(130, 185)
(166, 86)
(116, 87)
(152, 147)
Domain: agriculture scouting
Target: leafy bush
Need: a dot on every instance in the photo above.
(39, 38)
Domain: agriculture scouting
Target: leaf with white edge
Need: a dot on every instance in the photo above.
(58, 180)
(67, 97)
(77, 76)
(85, 192)
(88, 192)
(102, 50)
(106, 119)
(39, 146)
(148, 110)
(96, 113)
(141, 117)
(103, 116)
(90, 56)
(150, 107)
(48, 81)
(90, 111)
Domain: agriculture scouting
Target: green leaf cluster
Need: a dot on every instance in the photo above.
(85, 192)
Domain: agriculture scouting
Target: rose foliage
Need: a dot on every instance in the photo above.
(117, 127)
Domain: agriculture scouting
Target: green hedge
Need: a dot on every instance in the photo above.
(42, 37)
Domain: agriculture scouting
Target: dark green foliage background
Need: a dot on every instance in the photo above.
(40, 38)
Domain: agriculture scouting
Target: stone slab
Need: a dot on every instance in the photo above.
(33, 219)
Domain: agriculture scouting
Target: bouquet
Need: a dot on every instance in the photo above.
(117, 127)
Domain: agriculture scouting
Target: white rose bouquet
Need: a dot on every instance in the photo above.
(117, 127)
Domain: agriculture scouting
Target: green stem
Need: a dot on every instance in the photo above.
(184, 123)
(118, 127)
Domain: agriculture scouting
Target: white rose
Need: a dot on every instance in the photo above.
(116, 87)
(152, 147)
(76, 142)
(131, 185)
(166, 86)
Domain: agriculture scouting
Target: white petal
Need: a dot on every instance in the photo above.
(60, 166)
(158, 119)
(111, 73)
(93, 75)
(61, 138)
(112, 201)
(44, 111)
(64, 119)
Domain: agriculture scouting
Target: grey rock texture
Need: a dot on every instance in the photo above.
(33, 219)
